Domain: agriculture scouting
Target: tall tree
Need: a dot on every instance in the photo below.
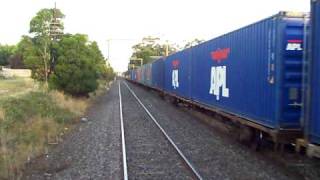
(44, 27)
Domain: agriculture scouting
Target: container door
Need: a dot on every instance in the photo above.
(291, 72)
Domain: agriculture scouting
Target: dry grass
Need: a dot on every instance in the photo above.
(31, 140)
(1, 115)
(76, 106)
(16, 86)
(102, 88)
(33, 127)
(25, 137)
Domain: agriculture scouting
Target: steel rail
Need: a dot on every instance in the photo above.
(124, 154)
(193, 169)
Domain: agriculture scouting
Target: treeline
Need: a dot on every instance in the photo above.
(151, 48)
(6, 53)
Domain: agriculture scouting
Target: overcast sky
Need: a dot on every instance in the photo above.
(127, 21)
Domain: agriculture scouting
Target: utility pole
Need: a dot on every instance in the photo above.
(55, 24)
(55, 33)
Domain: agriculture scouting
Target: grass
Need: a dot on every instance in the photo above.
(28, 123)
(31, 119)
(16, 86)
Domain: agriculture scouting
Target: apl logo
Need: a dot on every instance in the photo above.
(218, 78)
(294, 45)
(175, 74)
(220, 54)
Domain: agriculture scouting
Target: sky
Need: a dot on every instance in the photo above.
(126, 22)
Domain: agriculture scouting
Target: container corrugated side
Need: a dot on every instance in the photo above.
(139, 75)
(143, 74)
(158, 74)
(178, 74)
(148, 74)
(254, 72)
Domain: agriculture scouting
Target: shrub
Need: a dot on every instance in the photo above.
(74, 76)
(78, 66)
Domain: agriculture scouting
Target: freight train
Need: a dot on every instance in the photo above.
(253, 76)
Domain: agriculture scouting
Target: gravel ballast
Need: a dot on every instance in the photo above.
(214, 155)
(149, 154)
(93, 149)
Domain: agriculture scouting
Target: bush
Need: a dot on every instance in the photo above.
(79, 66)
(75, 77)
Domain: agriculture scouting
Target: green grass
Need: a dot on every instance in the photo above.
(15, 86)
(20, 109)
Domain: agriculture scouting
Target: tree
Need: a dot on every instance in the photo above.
(107, 72)
(44, 27)
(150, 47)
(16, 62)
(78, 67)
(193, 43)
(6, 51)
(31, 57)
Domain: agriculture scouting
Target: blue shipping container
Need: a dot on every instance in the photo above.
(134, 75)
(254, 72)
(143, 74)
(178, 74)
(148, 74)
(158, 74)
(313, 119)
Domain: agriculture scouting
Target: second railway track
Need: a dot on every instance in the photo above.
(150, 153)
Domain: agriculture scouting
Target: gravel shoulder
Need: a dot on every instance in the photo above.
(214, 155)
(91, 151)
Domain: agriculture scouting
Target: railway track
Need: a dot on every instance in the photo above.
(136, 157)
(215, 154)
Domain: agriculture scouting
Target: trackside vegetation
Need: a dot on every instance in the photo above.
(32, 121)
(80, 64)
(68, 73)
(29, 123)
